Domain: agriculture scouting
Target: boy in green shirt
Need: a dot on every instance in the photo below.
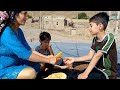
(103, 53)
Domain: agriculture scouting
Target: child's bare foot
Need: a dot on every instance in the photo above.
(61, 67)
(64, 67)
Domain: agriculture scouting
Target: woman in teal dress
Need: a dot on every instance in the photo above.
(17, 59)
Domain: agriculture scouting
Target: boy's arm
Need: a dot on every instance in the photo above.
(85, 58)
(92, 64)
(50, 50)
(70, 60)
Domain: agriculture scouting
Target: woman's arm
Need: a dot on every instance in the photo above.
(38, 57)
(35, 52)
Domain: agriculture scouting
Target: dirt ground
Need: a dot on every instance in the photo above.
(32, 32)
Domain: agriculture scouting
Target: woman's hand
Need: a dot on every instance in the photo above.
(52, 60)
(57, 59)
(82, 76)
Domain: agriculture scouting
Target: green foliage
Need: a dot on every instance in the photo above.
(82, 16)
(29, 16)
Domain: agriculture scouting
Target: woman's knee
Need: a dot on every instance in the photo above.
(27, 73)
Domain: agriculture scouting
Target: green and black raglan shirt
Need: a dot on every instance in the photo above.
(108, 62)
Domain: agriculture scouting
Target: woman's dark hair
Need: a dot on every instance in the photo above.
(10, 20)
(44, 36)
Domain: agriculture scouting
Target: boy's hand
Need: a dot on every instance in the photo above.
(82, 76)
(49, 47)
(58, 59)
(68, 60)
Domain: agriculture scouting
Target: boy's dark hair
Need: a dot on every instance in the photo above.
(101, 17)
(44, 36)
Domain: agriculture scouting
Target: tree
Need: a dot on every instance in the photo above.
(82, 16)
